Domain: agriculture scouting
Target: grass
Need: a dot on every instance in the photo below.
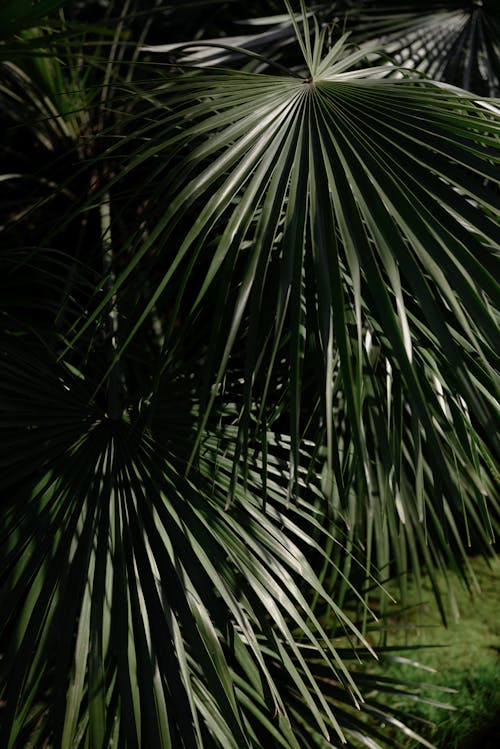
(468, 661)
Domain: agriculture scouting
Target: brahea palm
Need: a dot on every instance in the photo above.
(263, 383)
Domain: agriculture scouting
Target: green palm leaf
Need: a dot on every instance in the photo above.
(355, 214)
(456, 41)
(450, 40)
(156, 617)
(263, 380)
(336, 173)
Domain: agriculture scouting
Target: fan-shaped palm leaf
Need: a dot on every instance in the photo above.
(357, 216)
(457, 41)
(450, 40)
(140, 612)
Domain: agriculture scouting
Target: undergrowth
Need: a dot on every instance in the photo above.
(467, 661)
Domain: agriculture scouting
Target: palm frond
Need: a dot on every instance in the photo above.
(353, 210)
(138, 607)
(454, 41)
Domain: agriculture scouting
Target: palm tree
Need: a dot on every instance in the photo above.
(249, 361)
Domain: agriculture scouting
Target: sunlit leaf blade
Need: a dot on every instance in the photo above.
(391, 167)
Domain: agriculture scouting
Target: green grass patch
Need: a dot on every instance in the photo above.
(468, 661)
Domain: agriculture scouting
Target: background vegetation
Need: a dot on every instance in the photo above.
(249, 377)
(466, 661)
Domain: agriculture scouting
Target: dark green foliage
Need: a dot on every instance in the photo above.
(249, 357)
